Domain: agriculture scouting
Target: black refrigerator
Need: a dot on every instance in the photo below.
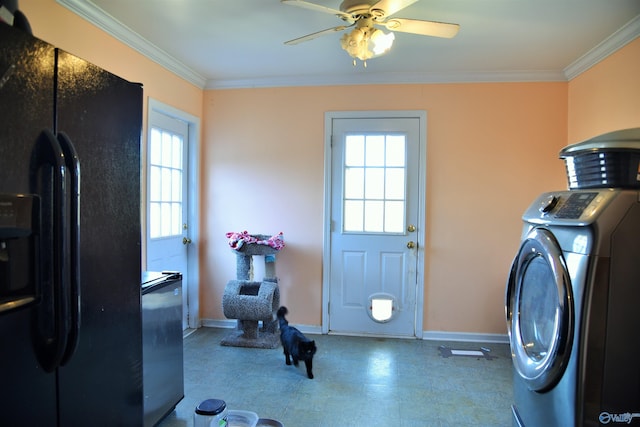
(70, 241)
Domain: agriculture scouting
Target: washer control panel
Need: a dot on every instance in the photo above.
(575, 207)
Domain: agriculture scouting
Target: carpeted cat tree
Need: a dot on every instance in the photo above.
(252, 303)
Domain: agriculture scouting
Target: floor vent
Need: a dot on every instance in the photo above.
(482, 353)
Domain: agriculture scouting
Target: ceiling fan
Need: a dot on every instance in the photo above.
(366, 41)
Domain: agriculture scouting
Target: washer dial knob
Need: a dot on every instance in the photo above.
(548, 204)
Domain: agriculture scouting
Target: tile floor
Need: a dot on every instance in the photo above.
(358, 381)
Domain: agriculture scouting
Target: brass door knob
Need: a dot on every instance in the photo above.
(186, 240)
(411, 244)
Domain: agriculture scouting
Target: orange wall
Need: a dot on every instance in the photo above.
(491, 148)
(607, 96)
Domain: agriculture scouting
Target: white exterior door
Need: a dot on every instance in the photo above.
(167, 207)
(374, 224)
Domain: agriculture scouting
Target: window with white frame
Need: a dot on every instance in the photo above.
(375, 170)
(165, 183)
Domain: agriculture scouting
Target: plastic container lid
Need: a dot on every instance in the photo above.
(611, 160)
(620, 140)
(211, 407)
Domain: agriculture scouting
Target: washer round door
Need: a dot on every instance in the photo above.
(539, 310)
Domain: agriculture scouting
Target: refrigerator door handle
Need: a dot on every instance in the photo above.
(49, 178)
(73, 167)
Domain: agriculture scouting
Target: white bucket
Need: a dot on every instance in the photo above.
(211, 413)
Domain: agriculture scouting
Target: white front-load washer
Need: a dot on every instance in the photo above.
(572, 307)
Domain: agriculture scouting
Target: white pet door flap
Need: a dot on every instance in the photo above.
(382, 307)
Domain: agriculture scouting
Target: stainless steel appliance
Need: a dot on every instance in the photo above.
(571, 310)
(70, 312)
(162, 357)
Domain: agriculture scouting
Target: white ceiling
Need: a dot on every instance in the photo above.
(239, 43)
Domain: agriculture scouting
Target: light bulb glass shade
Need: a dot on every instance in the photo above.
(366, 42)
(356, 44)
(380, 42)
(356, 36)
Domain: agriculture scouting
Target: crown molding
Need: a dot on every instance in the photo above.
(390, 78)
(629, 32)
(98, 17)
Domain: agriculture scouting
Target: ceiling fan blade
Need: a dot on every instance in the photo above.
(389, 7)
(318, 34)
(425, 28)
(318, 8)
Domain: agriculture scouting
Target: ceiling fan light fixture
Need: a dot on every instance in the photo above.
(366, 42)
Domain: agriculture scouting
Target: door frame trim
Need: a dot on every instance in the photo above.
(329, 116)
(193, 206)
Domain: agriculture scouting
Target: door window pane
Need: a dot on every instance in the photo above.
(394, 217)
(374, 183)
(354, 183)
(395, 150)
(394, 184)
(154, 176)
(155, 156)
(373, 216)
(176, 155)
(165, 184)
(374, 150)
(353, 215)
(154, 219)
(354, 150)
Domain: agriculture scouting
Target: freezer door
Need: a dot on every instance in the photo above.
(26, 109)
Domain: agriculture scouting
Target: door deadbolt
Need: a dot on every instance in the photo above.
(411, 228)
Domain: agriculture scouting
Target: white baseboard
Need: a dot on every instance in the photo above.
(465, 336)
(214, 323)
(426, 335)
(309, 329)
(231, 324)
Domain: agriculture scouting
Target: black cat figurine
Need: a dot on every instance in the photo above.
(295, 344)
